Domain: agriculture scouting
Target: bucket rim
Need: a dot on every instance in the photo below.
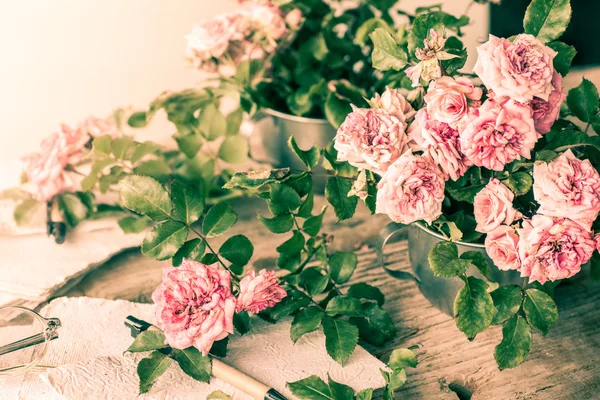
(290, 117)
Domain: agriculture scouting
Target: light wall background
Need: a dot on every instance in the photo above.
(63, 60)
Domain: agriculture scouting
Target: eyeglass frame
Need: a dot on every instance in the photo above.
(50, 332)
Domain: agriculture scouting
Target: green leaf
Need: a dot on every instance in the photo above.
(312, 225)
(294, 301)
(547, 19)
(368, 27)
(148, 340)
(540, 310)
(145, 196)
(307, 206)
(336, 109)
(25, 211)
(313, 280)
(366, 394)
(157, 169)
(311, 388)
(386, 52)
(188, 203)
(515, 344)
(237, 249)
(234, 149)
(344, 305)
(402, 358)
(256, 179)
(241, 321)
(218, 220)
(339, 391)
(194, 364)
(151, 368)
(478, 260)
(473, 307)
(137, 120)
(466, 194)
(520, 183)
(309, 157)
(293, 245)
(394, 379)
(363, 290)
(234, 121)
(595, 267)
(342, 266)
(507, 300)
(211, 122)
(72, 209)
(546, 155)
(218, 395)
(306, 321)
(444, 261)
(377, 326)
(134, 224)
(336, 192)
(189, 144)
(121, 147)
(102, 144)
(164, 240)
(564, 58)
(583, 101)
(419, 31)
(341, 338)
(143, 149)
(192, 249)
(283, 199)
(278, 224)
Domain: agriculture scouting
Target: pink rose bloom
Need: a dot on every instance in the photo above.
(502, 132)
(194, 305)
(502, 245)
(553, 248)
(412, 189)
(521, 69)
(294, 19)
(545, 113)
(210, 40)
(260, 292)
(493, 207)
(46, 176)
(371, 138)
(441, 143)
(96, 127)
(567, 187)
(267, 20)
(394, 103)
(75, 140)
(597, 242)
(448, 100)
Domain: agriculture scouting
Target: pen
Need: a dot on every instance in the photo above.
(220, 370)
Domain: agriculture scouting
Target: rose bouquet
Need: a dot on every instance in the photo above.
(496, 157)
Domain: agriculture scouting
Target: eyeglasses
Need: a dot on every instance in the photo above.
(24, 339)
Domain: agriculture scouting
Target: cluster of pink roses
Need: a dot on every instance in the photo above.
(194, 304)
(246, 33)
(46, 170)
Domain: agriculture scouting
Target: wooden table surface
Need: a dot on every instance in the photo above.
(563, 365)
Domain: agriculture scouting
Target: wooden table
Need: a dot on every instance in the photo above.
(563, 365)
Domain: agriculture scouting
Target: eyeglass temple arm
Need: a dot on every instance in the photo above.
(51, 333)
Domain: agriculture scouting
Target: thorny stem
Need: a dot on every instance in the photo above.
(235, 278)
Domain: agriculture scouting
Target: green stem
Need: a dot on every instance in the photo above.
(235, 278)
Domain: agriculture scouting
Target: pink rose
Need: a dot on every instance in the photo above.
(448, 100)
(75, 140)
(412, 189)
(294, 19)
(268, 21)
(260, 292)
(597, 242)
(440, 142)
(371, 138)
(502, 245)
(545, 113)
(210, 40)
(493, 207)
(46, 176)
(567, 187)
(194, 305)
(553, 248)
(394, 103)
(96, 127)
(501, 132)
(521, 69)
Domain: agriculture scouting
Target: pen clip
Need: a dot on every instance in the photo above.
(137, 326)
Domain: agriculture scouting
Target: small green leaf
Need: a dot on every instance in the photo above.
(341, 338)
(444, 261)
(293, 245)
(241, 321)
(473, 307)
(151, 368)
(312, 225)
(278, 224)
(402, 358)
(366, 394)
(294, 301)
(218, 220)
(234, 121)
(540, 310)
(507, 300)
(147, 341)
(336, 192)
(143, 149)
(547, 19)
(211, 122)
(520, 183)
(394, 380)
(515, 344)
(342, 266)
(309, 157)
(234, 149)
(367, 27)
(307, 206)
(72, 209)
(145, 196)
(256, 179)
(237, 249)
(218, 395)
(377, 326)
(339, 391)
(336, 109)
(344, 305)
(122, 146)
(478, 260)
(25, 211)
(188, 203)
(157, 169)
(137, 120)
(164, 240)
(311, 388)
(306, 321)
(564, 58)
(283, 199)
(194, 364)
(386, 52)
(313, 280)
(363, 290)
(583, 101)
(192, 249)
(102, 144)
(134, 225)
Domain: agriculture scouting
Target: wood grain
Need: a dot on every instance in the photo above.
(563, 365)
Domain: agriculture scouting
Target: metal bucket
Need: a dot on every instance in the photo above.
(441, 292)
